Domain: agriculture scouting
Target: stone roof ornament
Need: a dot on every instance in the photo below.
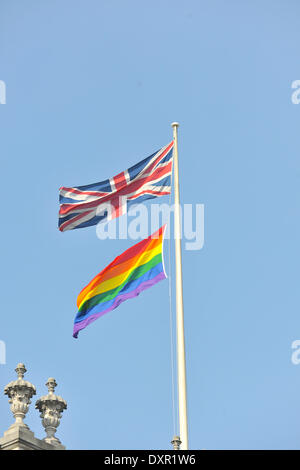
(19, 392)
(51, 407)
(176, 443)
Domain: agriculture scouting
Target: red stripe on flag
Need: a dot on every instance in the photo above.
(82, 193)
(120, 180)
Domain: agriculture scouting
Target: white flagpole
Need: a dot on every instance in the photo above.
(181, 373)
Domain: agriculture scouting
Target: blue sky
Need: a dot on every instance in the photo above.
(92, 88)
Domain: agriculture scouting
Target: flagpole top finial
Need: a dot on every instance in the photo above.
(175, 124)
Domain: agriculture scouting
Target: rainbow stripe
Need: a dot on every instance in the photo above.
(138, 268)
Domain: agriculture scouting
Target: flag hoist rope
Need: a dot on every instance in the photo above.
(181, 373)
(174, 412)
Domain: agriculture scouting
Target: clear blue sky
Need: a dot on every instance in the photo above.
(92, 87)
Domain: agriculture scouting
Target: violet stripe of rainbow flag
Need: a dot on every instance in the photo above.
(135, 270)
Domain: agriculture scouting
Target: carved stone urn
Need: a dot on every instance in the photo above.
(19, 393)
(51, 407)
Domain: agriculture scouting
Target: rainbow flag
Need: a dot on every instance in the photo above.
(138, 268)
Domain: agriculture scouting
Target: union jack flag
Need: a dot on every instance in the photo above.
(83, 206)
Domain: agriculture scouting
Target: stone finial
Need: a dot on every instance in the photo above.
(19, 393)
(176, 443)
(51, 407)
(20, 370)
(51, 384)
